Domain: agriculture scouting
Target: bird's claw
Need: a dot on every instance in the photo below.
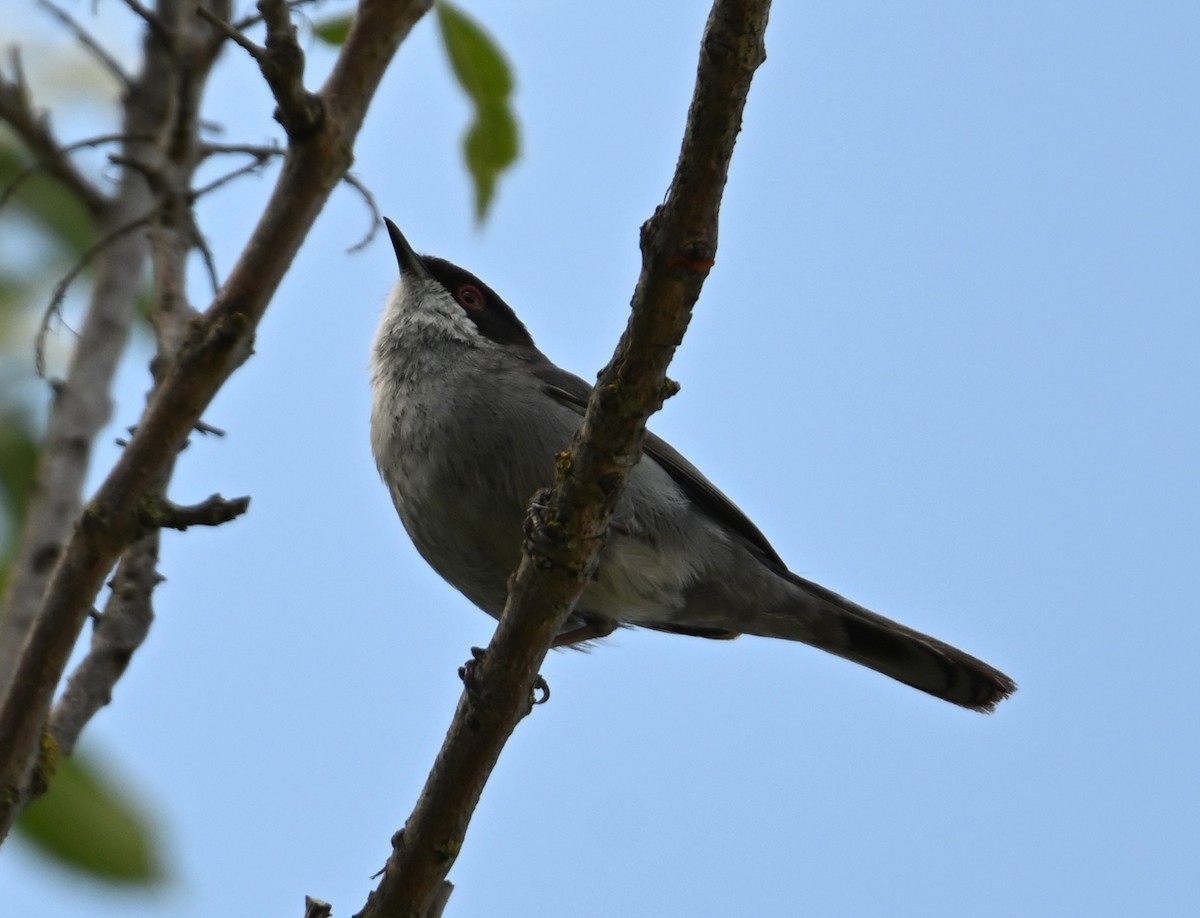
(468, 672)
(539, 692)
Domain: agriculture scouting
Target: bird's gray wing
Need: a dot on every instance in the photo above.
(568, 389)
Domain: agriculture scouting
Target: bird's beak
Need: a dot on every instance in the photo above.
(410, 262)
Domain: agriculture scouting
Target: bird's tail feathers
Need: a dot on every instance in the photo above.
(839, 626)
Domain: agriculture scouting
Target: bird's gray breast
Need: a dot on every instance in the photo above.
(461, 460)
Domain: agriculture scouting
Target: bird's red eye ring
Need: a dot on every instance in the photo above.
(471, 298)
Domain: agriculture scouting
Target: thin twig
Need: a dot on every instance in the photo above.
(151, 172)
(34, 168)
(206, 253)
(376, 216)
(149, 17)
(196, 193)
(264, 151)
(255, 18)
(53, 310)
(232, 33)
(107, 61)
(33, 128)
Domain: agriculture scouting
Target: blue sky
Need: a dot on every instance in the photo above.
(947, 361)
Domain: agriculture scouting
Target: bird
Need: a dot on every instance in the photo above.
(467, 416)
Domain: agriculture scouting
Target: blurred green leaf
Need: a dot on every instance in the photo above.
(333, 31)
(491, 145)
(58, 211)
(493, 140)
(86, 822)
(18, 458)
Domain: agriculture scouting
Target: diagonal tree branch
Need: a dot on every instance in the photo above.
(215, 344)
(33, 127)
(566, 529)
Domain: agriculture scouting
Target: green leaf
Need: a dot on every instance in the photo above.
(333, 31)
(492, 142)
(491, 145)
(86, 822)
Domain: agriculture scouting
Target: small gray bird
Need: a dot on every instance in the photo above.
(467, 417)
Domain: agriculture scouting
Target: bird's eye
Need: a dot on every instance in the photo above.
(470, 298)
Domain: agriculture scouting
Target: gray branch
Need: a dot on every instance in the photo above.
(119, 631)
(315, 908)
(215, 511)
(565, 532)
(282, 64)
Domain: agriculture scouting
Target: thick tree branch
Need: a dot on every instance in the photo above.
(214, 345)
(565, 534)
(118, 632)
(282, 65)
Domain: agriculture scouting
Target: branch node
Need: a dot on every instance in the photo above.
(315, 908)
(159, 513)
(148, 16)
(231, 32)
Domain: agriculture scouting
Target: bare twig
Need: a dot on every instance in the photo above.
(233, 33)
(255, 18)
(34, 129)
(53, 309)
(197, 240)
(564, 533)
(206, 253)
(376, 216)
(282, 64)
(107, 61)
(25, 174)
(260, 160)
(262, 151)
(208, 429)
(315, 908)
(216, 510)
